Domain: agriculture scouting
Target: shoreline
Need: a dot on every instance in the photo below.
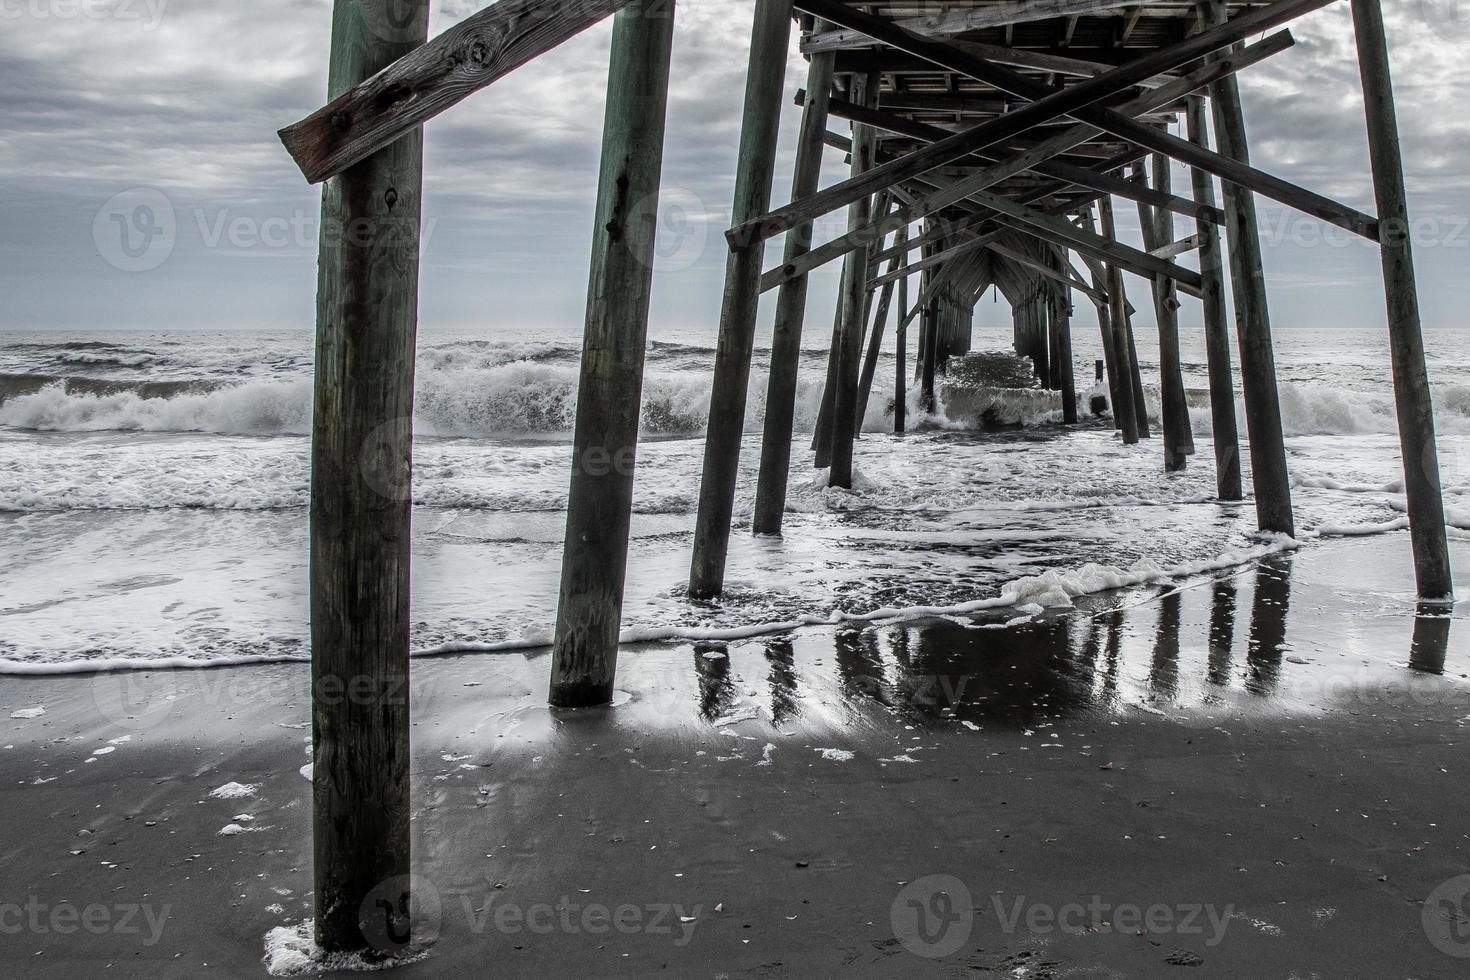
(1250, 750)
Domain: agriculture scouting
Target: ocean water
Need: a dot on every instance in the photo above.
(153, 492)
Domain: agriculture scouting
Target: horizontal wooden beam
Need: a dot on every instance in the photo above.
(938, 258)
(901, 62)
(1067, 234)
(999, 14)
(480, 49)
(1071, 173)
(1063, 277)
(1051, 147)
(1177, 248)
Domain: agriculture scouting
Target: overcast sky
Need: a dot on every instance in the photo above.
(173, 105)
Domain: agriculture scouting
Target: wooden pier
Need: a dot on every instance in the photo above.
(988, 142)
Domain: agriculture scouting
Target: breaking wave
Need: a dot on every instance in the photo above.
(522, 398)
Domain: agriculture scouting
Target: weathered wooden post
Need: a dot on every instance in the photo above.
(1061, 311)
(361, 506)
(863, 91)
(930, 357)
(822, 430)
(1036, 317)
(604, 445)
(770, 40)
(901, 341)
(1223, 426)
(770, 495)
(1104, 307)
(1252, 315)
(1127, 408)
(1158, 232)
(1406, 341)
(880, 325)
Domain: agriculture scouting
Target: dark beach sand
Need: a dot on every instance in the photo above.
(1254, 756)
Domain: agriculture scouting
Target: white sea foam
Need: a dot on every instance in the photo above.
(175, 514)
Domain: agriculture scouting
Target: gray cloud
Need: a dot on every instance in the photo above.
(94, 106)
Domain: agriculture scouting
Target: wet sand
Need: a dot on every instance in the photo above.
(1260, 774)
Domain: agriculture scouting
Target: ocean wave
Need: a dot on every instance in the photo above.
(1311, 409)
(519, 398)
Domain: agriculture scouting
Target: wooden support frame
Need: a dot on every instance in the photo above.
(1053, 146)
(411, 90)
(961, 21)
(1071, 173)
(770, 39)
(1067, 234)
(609, 401)
(1046, 103)
(1119, 122)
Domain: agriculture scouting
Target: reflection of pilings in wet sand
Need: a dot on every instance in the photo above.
(716, 687)
(1222, 630)
(1163, 675)
(859, 666)
(1114, 652)
(1431, 639)
(1269, 607)
(782, 678)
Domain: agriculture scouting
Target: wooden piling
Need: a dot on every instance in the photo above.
(770, 495)
(1158, 232)
(1224, 429)
(862, 91)
(875, 341)
(1127, 407)
(1269, 473)
(901, 343)
(822, 430)
(770, 39)
(1040, 346)
(361, 465)
(605, 440)
(930, 357)
(1061, 312)
(1406, 341)
(1107, 365)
